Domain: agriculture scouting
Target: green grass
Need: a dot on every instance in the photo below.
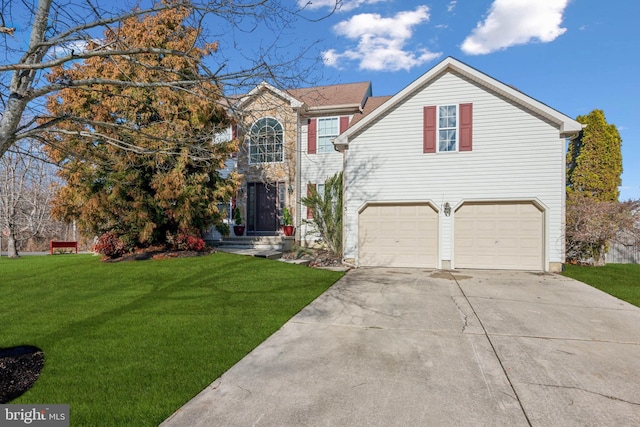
(619, 280)
(129, 343)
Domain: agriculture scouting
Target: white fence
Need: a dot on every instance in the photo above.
(623, 254)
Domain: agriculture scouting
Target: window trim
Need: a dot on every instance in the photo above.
(327, 148)
(251, 144)
(457, 128)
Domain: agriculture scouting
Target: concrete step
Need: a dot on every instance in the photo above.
(270, 254)
(265, 243)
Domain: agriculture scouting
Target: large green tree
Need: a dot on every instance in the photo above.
(150, 169)
(594, 215)
(594, 159)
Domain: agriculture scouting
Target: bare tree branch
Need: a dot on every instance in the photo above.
(62, 34)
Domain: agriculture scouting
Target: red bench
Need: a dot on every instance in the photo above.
(53, 245)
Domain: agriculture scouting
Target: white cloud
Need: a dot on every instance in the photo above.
(451, 5)
(67, 48)
(340, 5)
(381, 41)
(514, 22)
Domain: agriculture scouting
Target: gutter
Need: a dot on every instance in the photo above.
(342, 108)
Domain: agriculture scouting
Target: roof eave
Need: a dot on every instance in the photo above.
(344, 108)
(568, 130)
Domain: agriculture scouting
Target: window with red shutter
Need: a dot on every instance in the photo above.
(312, 136)
(310, 188)
(429, 128)
(466, 127)
(344, 123)
(448, 128)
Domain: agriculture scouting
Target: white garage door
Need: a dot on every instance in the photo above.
(403, 235)
(506, 236)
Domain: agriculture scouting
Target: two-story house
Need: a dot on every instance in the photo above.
(457, 170)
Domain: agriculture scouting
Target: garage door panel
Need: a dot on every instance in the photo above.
(426, 229)
(483, 226)
(499, 236)
(398, 236)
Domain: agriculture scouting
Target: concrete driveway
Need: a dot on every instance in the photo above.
(402, 347)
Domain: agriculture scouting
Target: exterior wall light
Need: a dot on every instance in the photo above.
(447, 209)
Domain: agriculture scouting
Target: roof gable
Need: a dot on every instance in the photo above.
(262, 87)
(567, 125)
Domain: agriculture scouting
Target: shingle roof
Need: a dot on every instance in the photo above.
(340, 94)
(373, 102)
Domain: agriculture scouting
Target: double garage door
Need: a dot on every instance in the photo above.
(486, 236)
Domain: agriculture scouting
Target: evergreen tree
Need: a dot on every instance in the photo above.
(149, 172)
(594, 159)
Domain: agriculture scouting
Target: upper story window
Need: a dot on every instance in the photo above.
(266, 141)
(448, 128)
(322, 130)
(328, 129)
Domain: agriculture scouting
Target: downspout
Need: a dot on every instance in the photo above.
(343, 149)
(344, 207)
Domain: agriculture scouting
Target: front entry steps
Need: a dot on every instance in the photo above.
(270, 247)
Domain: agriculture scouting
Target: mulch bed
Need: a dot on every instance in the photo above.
(157, 252)
(19, 369)
(316, 257)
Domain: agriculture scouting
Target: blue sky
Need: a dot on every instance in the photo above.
(574, 55)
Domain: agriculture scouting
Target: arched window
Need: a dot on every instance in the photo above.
(266, 141)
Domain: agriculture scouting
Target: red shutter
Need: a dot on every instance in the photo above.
(344, 123)
(311, 136)
(429, 128)
(466, 126)
(310, 188)
(234, 131)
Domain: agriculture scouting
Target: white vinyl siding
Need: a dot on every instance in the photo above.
(516, 156)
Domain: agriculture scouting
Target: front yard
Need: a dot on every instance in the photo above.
(129, 343)
(619, 280)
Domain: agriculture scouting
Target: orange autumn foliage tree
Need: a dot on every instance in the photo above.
(140, 160)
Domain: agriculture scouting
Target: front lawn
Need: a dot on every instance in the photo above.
(129, 343)
(619, 280)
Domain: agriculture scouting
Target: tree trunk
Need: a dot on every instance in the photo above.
(12, 251)
(599, 258)
(22, 80)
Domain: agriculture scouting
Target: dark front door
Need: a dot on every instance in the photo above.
(262, 218)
